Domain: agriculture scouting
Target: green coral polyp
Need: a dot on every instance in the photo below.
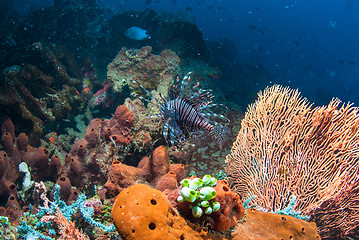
(200, 193)
(206, 179)
(213, 182)
(216, 206)
(204, 203)
(208, 210)
(197, 212)
(185, 183)
(189, 194)
(180, 199)
(195, 183)
(207, 193)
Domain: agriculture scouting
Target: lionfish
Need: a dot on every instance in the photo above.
(184, 115)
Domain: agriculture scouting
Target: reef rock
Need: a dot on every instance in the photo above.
(32, 94)
(139, 66)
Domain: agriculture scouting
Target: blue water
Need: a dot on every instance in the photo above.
(310, 44)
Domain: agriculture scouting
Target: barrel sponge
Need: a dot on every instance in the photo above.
(141, 212)
(265, 225)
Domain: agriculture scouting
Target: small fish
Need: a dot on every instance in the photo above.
(52, 140)
(252, 27)
(86, 90)
(137, 33)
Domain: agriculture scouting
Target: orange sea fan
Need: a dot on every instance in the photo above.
(287, 147)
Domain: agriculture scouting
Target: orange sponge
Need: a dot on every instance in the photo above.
(272, 226)
(140, 212)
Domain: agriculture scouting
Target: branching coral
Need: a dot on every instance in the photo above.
(286, 147)
(67, 228)
(58, 211)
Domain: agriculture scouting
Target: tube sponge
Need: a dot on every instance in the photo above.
(189, 194)
(200, 193)
(197, 211)
(207, 193)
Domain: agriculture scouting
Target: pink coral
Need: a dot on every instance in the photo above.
(153, 170)
(87, 162)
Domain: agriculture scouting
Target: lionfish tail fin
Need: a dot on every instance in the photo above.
(220, 134)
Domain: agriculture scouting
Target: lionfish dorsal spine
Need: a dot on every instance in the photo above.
(185, 82)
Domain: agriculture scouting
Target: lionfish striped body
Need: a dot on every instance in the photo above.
(184, 115)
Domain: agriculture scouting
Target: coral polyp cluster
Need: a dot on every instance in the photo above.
(200, 193)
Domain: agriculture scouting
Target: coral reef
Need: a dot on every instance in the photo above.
(105, 141)
(154, 170)
(41, 224)
(140, 65)
(40, 92)
(8, 175)
(147, 128)
(287, 148)
(15, 185)
(45, 91)
(270, 226)
(140, 212)
(230, 212)
(17, 150)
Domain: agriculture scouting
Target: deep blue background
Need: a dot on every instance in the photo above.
(312, 45)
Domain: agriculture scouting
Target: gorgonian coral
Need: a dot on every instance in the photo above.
(286, 147)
